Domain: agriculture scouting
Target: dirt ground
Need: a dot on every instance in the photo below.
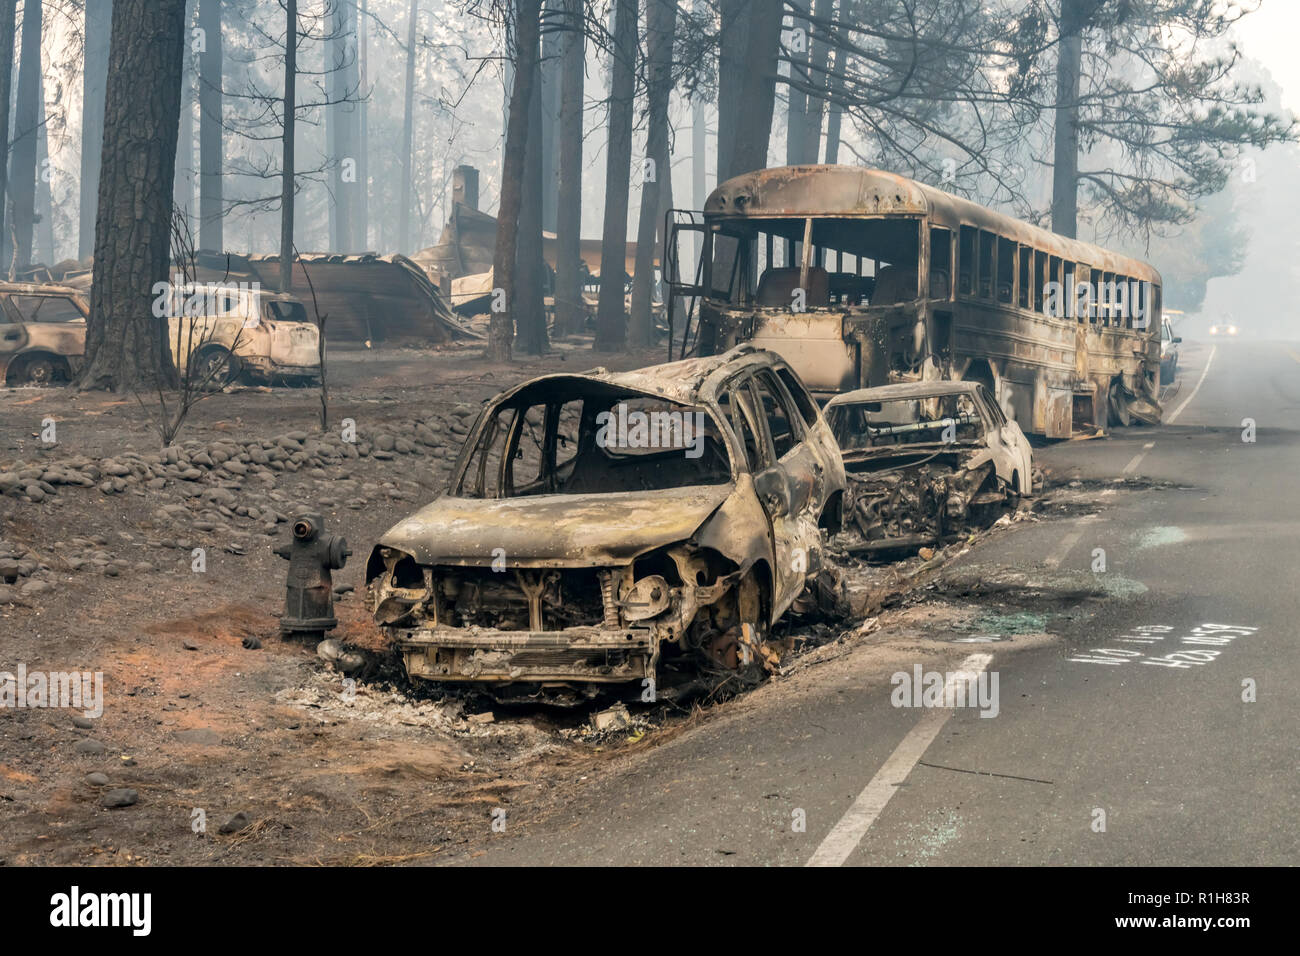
(269, 743)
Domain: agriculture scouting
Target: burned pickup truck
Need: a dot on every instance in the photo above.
(925, 460)
(598, 526)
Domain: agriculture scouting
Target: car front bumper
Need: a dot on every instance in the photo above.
(486, 655)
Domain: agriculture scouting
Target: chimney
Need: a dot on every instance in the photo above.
(464, 186)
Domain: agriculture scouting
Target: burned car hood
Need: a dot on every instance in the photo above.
(554, 530)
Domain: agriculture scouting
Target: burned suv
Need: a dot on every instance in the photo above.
(926, 461)
(597, 526)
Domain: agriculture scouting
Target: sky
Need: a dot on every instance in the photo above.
(1269, 35)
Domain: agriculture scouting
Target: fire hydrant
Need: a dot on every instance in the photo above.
(309, 595)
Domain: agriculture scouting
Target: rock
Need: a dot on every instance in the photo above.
(124, 797)
(487, 717)
(189, 645)
(97, 779)
(85, 723)
(91, 747)
(251, 643)
(236, 823)
(385, 442)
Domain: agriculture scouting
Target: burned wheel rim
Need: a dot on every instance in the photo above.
(40, 372)
(216, 368)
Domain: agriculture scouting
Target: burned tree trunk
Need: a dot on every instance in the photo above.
(184, 184)
(124, 343)
(211, 138)
(363, 132)
(343, 122)
(1065, 145)
(757, 87)
(818, 60)
(27, 118)
(287, 143)
(656, 181)
(570, 313)
(408, 121)
(797, 109)
(529, 301)
(611, 322)
(732, 40)
(99, 24)
(8, 11)
(835, 111)
(526, 31)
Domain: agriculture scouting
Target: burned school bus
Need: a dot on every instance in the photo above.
(848, 273)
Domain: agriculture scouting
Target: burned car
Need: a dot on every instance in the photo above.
(598, 525)
(42, 333)
(925, 460)
(222, 331)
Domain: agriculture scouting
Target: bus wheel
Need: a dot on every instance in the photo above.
(1117, 405)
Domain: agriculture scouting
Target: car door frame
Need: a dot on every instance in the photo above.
(796, 533)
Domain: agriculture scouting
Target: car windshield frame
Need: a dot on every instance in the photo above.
(504, 433)
(839, 417)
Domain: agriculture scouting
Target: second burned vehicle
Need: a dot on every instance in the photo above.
(600, 527)
(925, 460)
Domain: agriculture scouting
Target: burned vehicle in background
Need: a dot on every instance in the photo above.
(925, 460)
(220, 331)
(599, 526)
(862, 278)
(42, 333)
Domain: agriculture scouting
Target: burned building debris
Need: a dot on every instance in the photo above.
(599, 527)
(924, 461)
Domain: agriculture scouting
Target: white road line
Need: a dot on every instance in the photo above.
(848, 833)
(1199, 382)
(1067, 543)
(1132, 466)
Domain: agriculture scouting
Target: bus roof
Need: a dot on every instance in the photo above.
(853, 191)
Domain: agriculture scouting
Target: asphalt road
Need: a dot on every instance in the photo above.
(1121, 734)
